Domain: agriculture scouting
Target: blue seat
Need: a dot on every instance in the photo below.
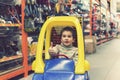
(37, 77)
(59, 69)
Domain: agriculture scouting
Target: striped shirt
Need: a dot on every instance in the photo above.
(70, 51)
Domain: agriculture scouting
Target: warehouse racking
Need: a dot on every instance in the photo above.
(23, 68)
(20, 30)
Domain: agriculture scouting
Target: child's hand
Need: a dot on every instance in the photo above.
(51, 50)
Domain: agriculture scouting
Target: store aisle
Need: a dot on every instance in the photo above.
(27, 78)
(105, 63)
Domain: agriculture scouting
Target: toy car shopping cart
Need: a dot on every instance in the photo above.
(60, 68)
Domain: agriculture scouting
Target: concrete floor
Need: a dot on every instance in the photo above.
(105, 63)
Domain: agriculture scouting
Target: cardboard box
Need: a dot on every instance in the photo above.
(90, 44)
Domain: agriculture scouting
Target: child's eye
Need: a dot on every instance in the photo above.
(64, 36)
(69, 36)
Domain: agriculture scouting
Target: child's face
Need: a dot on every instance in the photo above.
(67, 38)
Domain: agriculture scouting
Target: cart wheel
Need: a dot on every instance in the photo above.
(87, 76)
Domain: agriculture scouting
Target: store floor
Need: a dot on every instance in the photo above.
(105, 63)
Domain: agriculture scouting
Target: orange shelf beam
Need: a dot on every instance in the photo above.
(12, 74)
(10, 25)
(24, 41)
(90, 15)
(10, 58)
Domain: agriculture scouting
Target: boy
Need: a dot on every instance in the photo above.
(66, 47)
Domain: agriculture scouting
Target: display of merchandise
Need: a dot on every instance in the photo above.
(21, 22)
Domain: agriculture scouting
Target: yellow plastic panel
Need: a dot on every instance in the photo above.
(38, 65)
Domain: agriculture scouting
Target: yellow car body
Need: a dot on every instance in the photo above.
(38, 65)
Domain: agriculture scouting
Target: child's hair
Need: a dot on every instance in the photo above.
(68, 29)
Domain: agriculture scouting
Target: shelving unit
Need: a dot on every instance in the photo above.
(105, 27)
(22, 59)
(25, 57)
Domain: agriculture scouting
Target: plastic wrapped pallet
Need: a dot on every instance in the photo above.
(90, 44)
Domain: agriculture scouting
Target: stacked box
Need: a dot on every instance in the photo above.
(90, 44)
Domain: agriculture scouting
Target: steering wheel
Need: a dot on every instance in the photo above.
(57, 55)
